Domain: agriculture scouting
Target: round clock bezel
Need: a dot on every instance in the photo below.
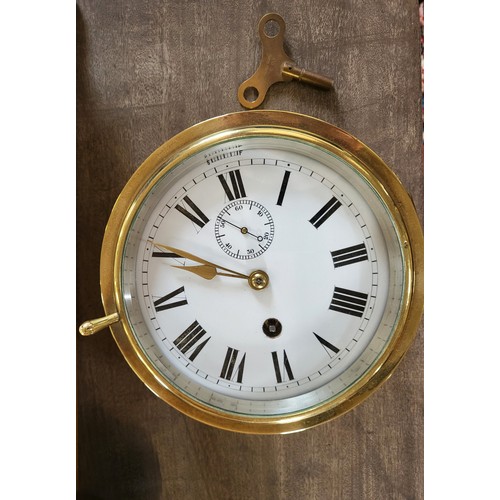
(292, 126)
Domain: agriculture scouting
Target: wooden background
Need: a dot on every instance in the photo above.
(148, 69)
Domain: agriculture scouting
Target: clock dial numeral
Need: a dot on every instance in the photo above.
(160, 304)
(168, 255)
(284, 185)
(283, 371)
(188, 342)
(325, 212)
(200, 219)
(349, 255)
(349, 301)
(327, 345)
(238, 190)
(229, 370)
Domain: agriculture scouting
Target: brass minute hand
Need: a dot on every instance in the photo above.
(207, 270)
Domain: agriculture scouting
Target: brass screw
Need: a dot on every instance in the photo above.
(258, 280)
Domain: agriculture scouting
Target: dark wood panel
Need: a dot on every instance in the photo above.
(147, 70)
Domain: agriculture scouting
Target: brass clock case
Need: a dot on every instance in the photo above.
(271, 124)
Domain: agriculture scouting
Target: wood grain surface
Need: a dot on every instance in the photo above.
(147, 69)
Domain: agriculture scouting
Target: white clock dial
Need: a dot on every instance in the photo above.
(307, 220)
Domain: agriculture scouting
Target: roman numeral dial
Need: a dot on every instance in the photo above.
(198, 246)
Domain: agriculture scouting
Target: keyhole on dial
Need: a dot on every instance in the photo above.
(272, 327)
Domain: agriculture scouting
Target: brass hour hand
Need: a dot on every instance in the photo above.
(258, 280)
(207, 270)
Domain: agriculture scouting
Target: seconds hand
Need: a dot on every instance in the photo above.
(243, 230)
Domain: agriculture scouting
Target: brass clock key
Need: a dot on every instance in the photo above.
(275, 66)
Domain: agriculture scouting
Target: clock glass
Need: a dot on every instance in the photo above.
(328, 282)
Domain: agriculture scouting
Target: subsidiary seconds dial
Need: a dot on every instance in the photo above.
(244, 229)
